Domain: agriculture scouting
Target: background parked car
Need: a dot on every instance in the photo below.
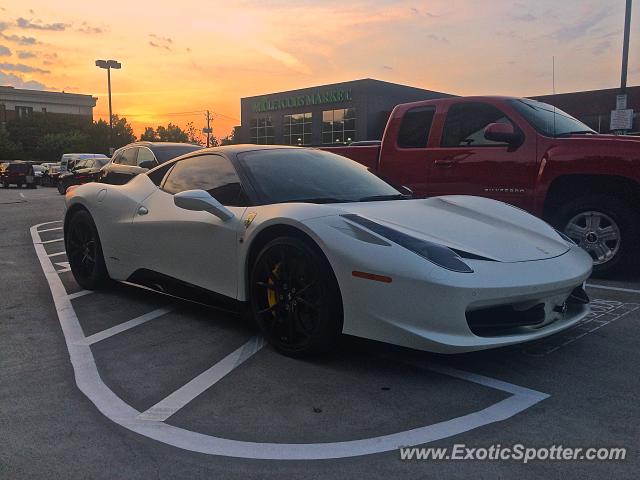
(135, 158)
(17, 173)
(38, 172)
(51, 175)
(84, 171)
(68, 160)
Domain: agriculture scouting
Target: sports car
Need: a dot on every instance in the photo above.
(313, 245)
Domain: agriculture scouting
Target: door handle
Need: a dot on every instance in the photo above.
(444, 163)
(142, 211)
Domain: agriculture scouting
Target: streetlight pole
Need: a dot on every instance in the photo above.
(625, 48)
(108, 65)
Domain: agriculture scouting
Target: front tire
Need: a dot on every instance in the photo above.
(295, 297)
(604, 226)
(84, 252)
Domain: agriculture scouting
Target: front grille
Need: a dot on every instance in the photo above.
(493, 321)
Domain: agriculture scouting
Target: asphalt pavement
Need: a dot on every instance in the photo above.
(126, 383)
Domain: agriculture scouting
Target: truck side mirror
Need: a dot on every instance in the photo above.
(502, 132)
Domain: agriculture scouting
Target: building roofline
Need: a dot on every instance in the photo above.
(335, 84)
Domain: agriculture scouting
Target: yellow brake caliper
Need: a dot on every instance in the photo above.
(272, 298)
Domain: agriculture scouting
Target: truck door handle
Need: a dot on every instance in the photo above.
(142, 210)
(444, 163)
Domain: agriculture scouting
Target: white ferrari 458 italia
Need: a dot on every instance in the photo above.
(314, 245)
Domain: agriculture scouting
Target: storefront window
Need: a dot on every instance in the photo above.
(261, 131)
(297, 129)
(338, 126)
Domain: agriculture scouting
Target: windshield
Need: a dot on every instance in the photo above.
(548, 120)
(163, 153)
(301, 175)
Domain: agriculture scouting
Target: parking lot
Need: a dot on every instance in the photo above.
(127, 383)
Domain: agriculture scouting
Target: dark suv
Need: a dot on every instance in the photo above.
(135, 158)
(17, 173)
(84, 171)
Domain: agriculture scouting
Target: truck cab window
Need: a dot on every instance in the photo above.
(415, 127)
(465, 124)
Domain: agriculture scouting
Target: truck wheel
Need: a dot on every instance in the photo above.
(606, 227)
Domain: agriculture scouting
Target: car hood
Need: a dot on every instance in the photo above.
(479, 226)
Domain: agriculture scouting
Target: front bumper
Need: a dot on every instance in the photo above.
(425, 306)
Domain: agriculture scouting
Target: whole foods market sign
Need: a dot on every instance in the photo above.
(320, 98)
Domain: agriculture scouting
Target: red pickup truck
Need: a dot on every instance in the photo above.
(522, 152)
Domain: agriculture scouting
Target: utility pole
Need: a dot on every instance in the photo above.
(625, 48)
(208, 130)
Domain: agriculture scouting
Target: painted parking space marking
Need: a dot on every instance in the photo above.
(178, 399)
(81, 293)
(123, 327)
(49, 223)
(65, 267)
(55, 240)
(603, 312)
(89, 381)
(615, 289)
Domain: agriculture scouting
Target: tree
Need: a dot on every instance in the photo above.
(231, 139)
(51, 146)
(46, 136)
(194, 134)
(172, 133)
(9, 150)
(149, 135)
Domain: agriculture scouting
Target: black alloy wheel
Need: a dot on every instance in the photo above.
(85, 252)
(295, 298)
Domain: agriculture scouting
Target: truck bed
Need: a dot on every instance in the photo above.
(364, 154)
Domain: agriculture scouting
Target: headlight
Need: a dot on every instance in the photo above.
(438, 254)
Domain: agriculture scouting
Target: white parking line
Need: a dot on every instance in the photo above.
(49, 223)
(615, 289)
(53, 241)
(50, 229)
(178, 399)
(56, 254)
(122, 327)
(81, 293)
(65, 267)
(114, 408)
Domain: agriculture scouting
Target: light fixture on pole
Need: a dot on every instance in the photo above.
(108, 65)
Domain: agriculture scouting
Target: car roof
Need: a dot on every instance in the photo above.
(248, 147)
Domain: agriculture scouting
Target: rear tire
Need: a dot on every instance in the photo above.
(85, 252)
(606, 227)
(295, 298)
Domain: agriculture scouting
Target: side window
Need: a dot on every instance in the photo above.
(465, 124)
(146, 155)
(116, 158)
(128, 157)
(415, 127)
(158, 174)
(212, 173)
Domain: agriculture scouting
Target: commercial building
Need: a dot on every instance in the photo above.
(19, 103)
(334, 114)
(342, 113)
(594, 107)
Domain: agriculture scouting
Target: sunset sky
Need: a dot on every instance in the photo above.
(182, 57)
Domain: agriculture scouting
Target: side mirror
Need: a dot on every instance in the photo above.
(502, 132)
(148, 164)
(200, 200)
